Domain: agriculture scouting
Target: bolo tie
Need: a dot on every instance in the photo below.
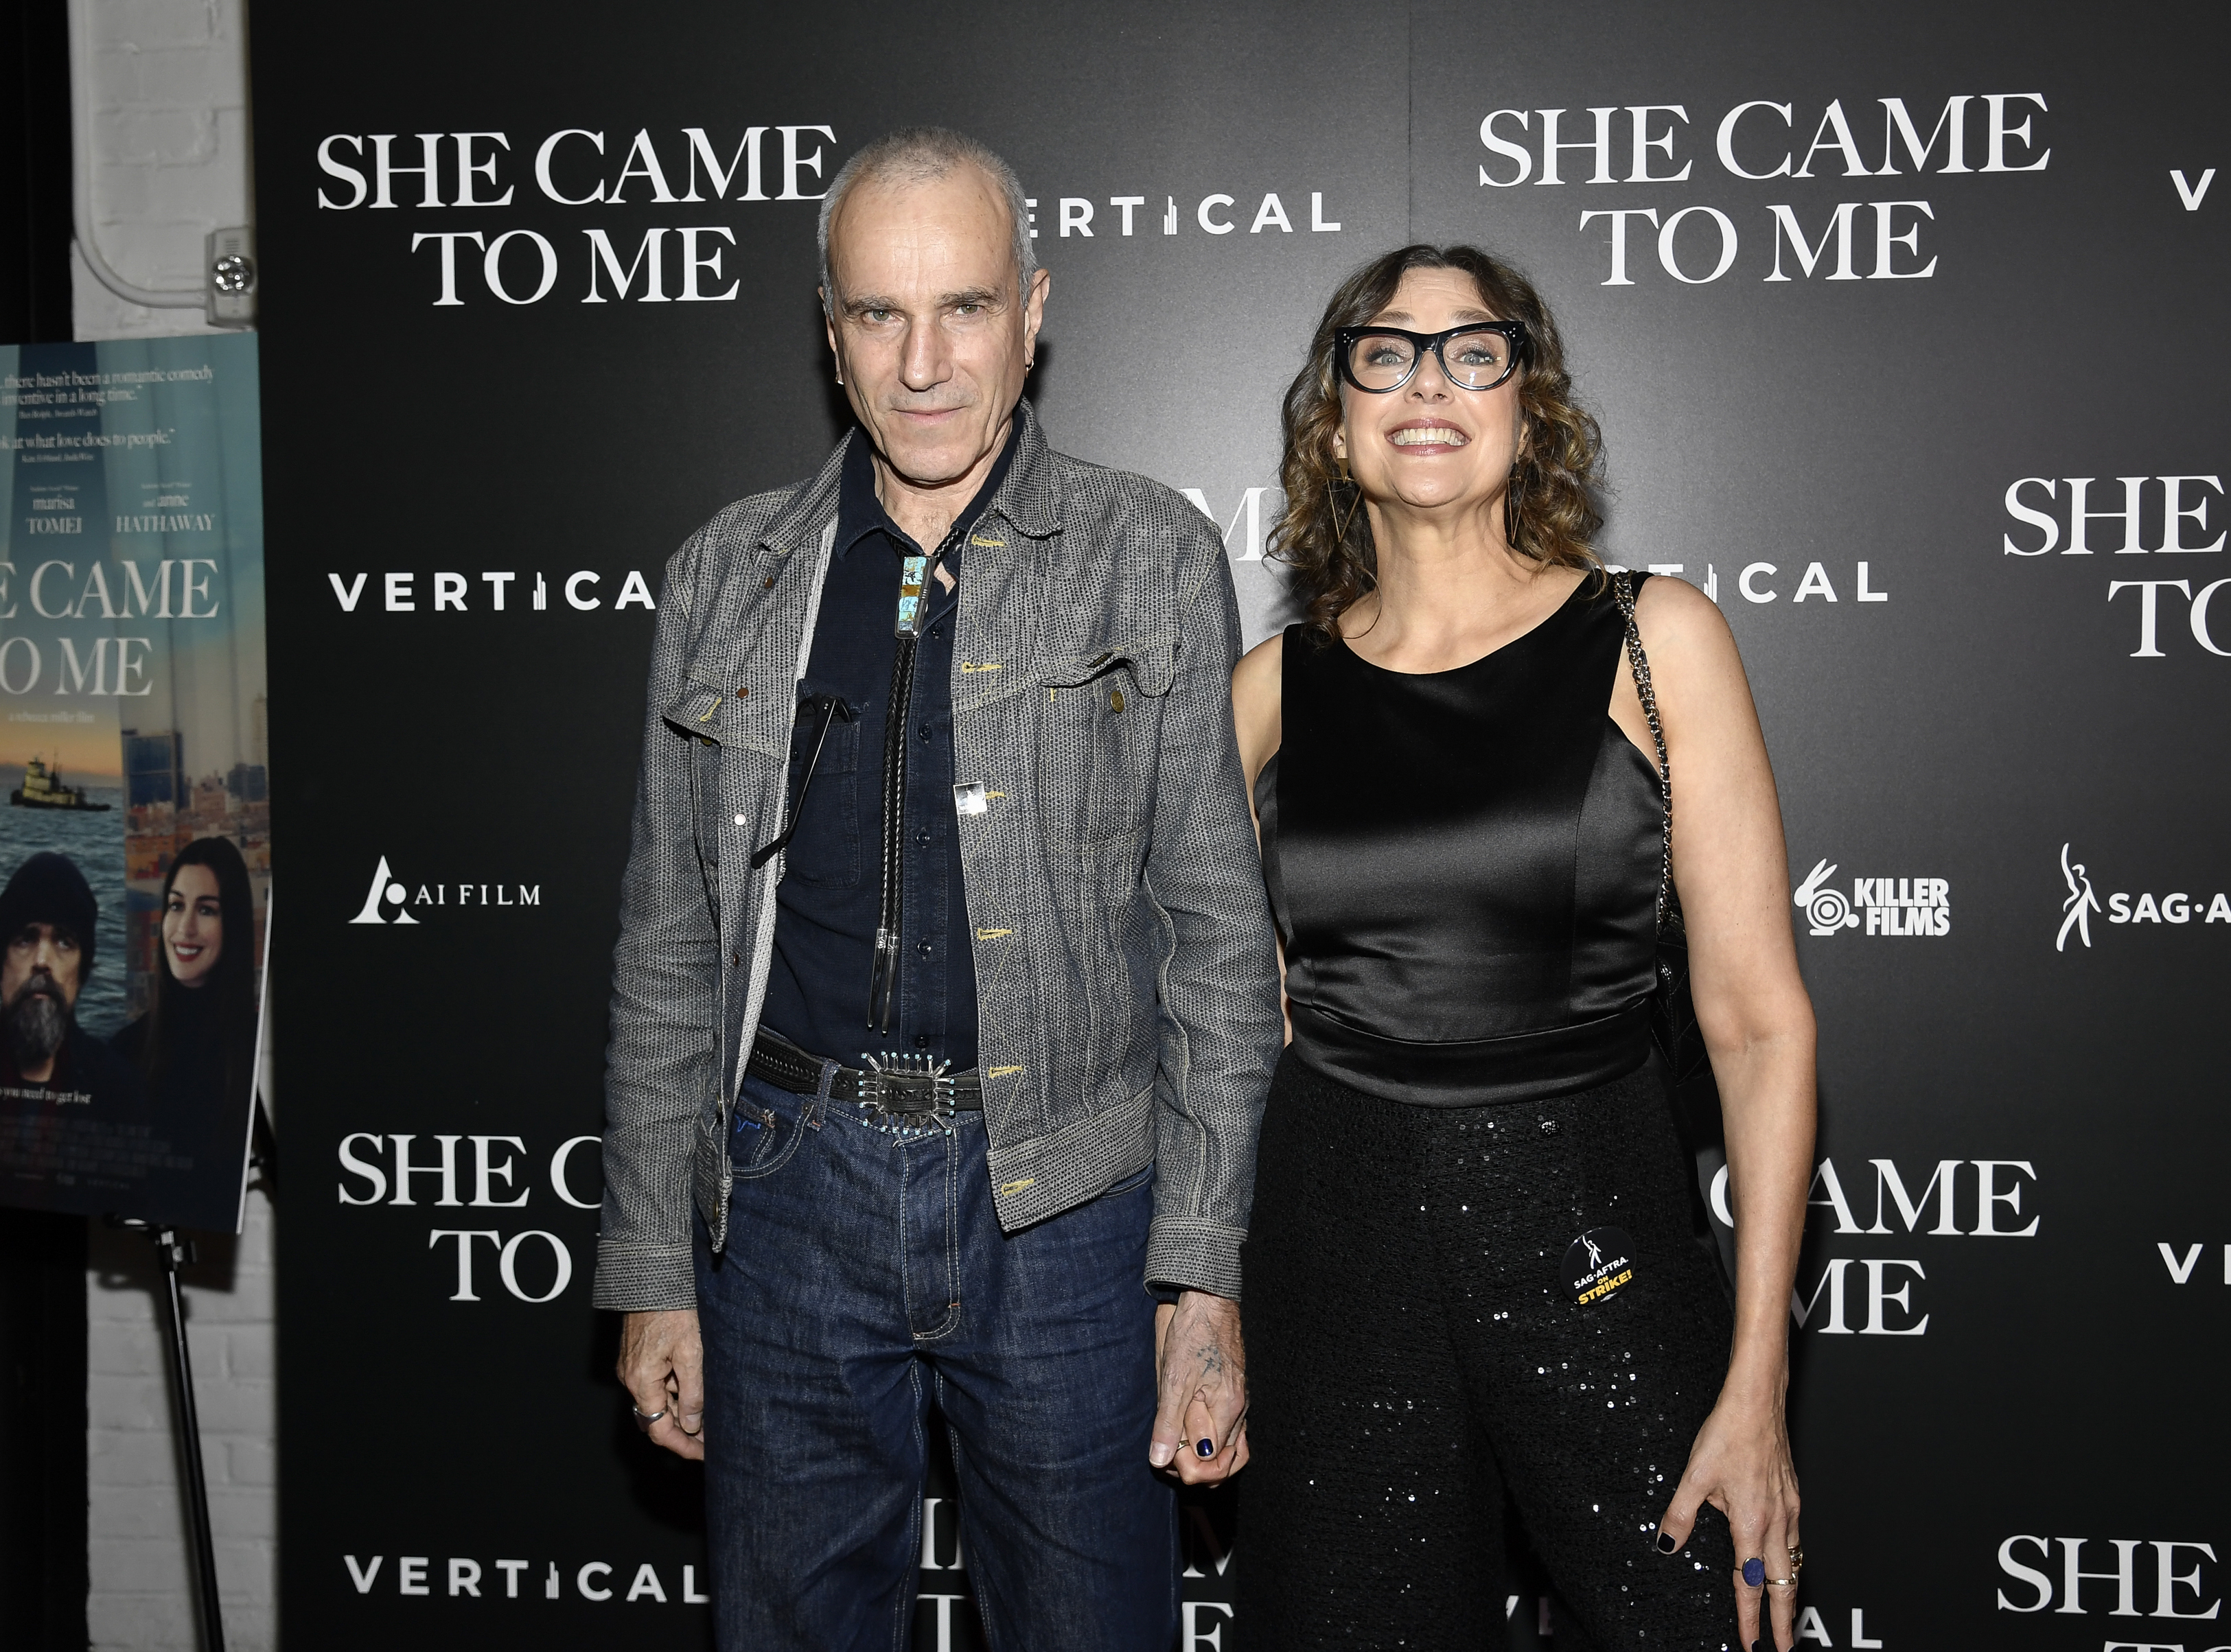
(915, 574)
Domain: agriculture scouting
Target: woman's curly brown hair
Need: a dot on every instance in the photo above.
(1324, 535)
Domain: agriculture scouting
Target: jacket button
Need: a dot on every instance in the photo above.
(736, 958)
(770, 583)
(743, 694)
(1115, 700)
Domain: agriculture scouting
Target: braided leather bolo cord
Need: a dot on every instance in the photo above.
(882, 981)
(884, 975)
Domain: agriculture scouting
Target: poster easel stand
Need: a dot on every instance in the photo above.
(170, 1253)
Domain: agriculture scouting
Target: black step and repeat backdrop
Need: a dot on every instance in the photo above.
(1904, 326)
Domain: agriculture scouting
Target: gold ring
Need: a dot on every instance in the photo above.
(1789, 1581)
(1797, 1558)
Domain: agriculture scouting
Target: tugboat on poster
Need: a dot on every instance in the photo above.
(42, 788)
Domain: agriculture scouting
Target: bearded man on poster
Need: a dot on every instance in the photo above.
(945, 988)
(49, 924)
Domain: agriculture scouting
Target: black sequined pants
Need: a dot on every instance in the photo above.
(1413, 1353)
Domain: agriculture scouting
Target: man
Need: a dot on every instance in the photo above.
(946, 982)
(48, 916)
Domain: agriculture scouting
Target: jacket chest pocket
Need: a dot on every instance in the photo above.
(1101, 723)
(705, 813)
(824, 853)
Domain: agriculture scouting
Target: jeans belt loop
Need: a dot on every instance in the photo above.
(829, 1071)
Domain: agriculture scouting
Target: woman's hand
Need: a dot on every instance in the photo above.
(1740, 1465)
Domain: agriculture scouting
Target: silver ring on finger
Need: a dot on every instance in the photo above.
(643, 1419)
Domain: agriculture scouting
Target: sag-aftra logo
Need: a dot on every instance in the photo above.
(2168, 908)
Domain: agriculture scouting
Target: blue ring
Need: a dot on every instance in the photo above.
(1754, 1573)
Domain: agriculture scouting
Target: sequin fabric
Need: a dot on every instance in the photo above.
(1413, 1355)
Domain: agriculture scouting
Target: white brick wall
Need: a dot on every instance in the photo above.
(168, 96)
(141, 1559)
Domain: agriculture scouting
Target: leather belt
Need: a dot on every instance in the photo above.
(890, 1083)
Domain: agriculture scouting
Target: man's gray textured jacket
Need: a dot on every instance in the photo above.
(1125, 977)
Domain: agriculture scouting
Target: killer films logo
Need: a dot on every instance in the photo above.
(1907, 906)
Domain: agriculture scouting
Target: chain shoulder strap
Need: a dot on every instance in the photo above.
(1669, 910)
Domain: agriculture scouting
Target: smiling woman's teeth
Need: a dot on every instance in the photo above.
(1429, 438)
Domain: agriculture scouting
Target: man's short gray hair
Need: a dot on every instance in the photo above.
(922, 155)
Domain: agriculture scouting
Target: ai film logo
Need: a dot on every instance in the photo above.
(385, 889)
(1885, 906)
(389, 891)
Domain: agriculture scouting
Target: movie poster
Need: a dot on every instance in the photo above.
(135, 842)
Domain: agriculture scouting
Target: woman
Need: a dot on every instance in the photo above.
(195, 1045)
(1473, 1271)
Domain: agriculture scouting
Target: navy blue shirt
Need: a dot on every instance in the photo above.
(831, 890)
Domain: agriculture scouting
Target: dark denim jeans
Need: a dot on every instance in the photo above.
(866, 1275)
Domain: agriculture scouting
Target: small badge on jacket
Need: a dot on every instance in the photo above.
(1597, 1263)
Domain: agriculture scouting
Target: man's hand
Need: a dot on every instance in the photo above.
(662, 1367)
(1200, 1426)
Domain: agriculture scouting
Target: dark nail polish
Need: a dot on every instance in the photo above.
(1206, 1448)
(1666, 1544)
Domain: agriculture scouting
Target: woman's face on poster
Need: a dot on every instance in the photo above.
(193, 925)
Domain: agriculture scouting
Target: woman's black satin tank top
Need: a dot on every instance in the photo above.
(1464, 866)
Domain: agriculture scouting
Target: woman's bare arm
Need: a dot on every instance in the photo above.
(1731, 870)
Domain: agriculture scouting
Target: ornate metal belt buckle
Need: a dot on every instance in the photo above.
(913, 1087)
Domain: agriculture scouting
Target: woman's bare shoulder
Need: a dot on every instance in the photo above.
(1258, 671)
(1257, 691)
(1678, 621)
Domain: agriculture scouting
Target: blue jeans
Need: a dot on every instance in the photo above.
(865, 1275)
